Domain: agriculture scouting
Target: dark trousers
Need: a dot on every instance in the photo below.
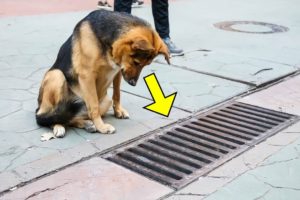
(160, 11)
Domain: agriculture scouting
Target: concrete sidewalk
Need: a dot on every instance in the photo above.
(218, 65)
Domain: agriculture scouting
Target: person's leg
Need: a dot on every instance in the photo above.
(160, 10)
(123, 6)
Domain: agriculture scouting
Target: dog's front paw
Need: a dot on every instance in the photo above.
(121, 113)
(106, 129)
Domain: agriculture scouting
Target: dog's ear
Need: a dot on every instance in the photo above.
(140, 45)
(161, 47)
(165, 51)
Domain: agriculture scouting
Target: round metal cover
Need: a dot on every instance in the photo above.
(251, 27)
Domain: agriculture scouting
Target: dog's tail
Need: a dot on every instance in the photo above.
(62, 114)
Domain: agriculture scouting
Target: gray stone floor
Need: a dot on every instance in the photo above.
(29, 46)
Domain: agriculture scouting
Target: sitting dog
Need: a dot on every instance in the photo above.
(103, 47)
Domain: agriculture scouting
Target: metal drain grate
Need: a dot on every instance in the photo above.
(183, 152)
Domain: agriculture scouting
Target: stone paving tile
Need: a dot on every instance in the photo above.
(51, 162)
(281, 194)
(18, 122)
(235, 67)
(282, 97)
(14, 83)
(254, 190)
(8, 106)
(11, 179)
(19, 154)
(201, 188)
(195, 91)
(275, 178)
(190, 32)
(12, 146)
(92, 179)
(16, 95)
(277, 149)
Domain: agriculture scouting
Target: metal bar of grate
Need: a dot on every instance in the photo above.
(270, 122)
(239, 123)
(229, 126)
(244, 119)
(222, 143)
(183, 152)
(177, 149)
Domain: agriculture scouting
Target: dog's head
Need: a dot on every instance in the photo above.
(137, 49)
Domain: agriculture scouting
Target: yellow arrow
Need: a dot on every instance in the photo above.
(162, 105)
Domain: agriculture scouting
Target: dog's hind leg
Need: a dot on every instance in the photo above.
(83, 123)
(59, 130)
(82, 120)
(53, 109)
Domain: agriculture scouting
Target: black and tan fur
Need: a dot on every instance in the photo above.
(104, 47)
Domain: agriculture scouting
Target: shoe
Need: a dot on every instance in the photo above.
(104, 5)
(173, 49)
(137, 3)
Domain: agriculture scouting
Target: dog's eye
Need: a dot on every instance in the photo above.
(136, 63)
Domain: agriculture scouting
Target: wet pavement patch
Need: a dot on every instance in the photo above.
(251, 27)
(181, 153)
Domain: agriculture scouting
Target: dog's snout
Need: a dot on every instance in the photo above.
(132, 82)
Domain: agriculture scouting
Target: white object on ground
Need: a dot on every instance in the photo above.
(47, 136)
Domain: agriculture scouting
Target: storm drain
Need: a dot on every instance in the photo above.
(181, 153)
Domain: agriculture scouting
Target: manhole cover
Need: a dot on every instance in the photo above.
(182, 153)
(251, 27)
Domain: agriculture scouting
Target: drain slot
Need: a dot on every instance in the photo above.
(251, 116)
(240, 124)
(194, 147)
(197, 127)
(206, 137)
(230, 127)
(198, 141)
(244, 119)
(171, 154)
(217, 127)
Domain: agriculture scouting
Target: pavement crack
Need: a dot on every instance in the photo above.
(247, 164)
(3, 116)
(11, 162)
(262, 70)
(45, 190)
(292, 132)
(77, 133)
(85, 139)
(263, 195)
(29, 131)
(145, 125)
(277, 162)
(273, 186)
(218, 177)
(49, 148)
(190, 194)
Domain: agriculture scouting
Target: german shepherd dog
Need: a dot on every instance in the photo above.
(103, 47)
